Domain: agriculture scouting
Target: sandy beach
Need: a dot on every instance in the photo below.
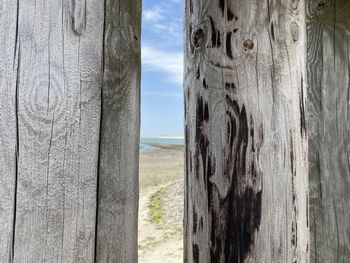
(161, 205)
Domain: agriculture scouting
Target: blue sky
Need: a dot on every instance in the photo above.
(162, 67)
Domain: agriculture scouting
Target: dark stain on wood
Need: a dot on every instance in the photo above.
(222, 6)
(231, 131)
(291, 155)
(244, 211)
(293, 235)
(213, 32)
(188, 160)
(195, 253)
(202, 140)
(246, 220)
(190, 154)
(272, 29)
(202, 112)
(233, 226)
(218, 41)
(253, 142)
(195, 220)
(302, 109)
(203, 156)
(293, 172)
(205, 84)
(230, 86)
(235, 30)
(230, 14)
(307, 210)
(228, 45)
(198, 74)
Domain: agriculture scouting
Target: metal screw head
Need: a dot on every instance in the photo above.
(248, 45)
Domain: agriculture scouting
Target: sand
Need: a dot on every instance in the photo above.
(161, 205)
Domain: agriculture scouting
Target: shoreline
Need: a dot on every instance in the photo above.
(161, 204)
(164, 137)
(160, 146)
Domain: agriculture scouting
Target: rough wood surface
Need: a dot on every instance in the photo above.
(119, 146)
(56, 58)
(246, 153)
(8, 122)
(328, 30)
(59, 83)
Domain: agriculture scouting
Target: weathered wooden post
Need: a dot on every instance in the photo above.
(246, 164)
(69, 120)
(8, 127)
(119, 146)
(328, 60)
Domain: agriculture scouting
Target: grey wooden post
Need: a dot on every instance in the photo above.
(120, 128)
(69, 120)
(328, 60)
(246, 153)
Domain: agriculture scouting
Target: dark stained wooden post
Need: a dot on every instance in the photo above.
(328, 60)
(246, 142)
(69, 130)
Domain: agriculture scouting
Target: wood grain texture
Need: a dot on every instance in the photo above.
(8, 125)
(119, 145)
(246, 143)
(56, 57)
(328, 31)
(59, 121)
(69, 86)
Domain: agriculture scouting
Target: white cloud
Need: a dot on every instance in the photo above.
(165, 23)
(170, 63)
(164, 94)
(154, 14)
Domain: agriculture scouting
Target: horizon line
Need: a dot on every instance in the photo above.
(162, 137)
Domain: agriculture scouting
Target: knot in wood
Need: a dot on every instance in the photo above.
(321, 5)
(294, 31)
(198, 37)
(318, 7)
(248, 45)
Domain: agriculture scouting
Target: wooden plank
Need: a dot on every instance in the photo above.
(119, 146)
(328, 31)
(246, 169)
(60, 54)
(8, 125)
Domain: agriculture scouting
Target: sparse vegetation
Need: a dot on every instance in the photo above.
(161, 205)
(155, 212)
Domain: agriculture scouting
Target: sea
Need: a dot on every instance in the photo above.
(145, 141)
